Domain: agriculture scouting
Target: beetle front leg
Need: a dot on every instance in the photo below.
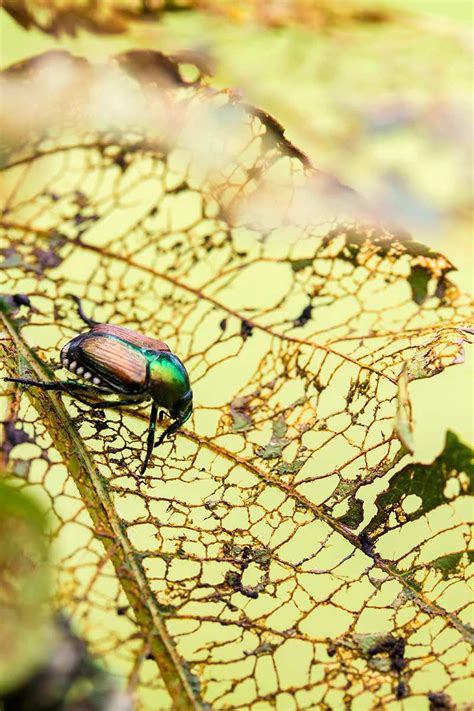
(151, 438)
(65, 386)
(168, 431)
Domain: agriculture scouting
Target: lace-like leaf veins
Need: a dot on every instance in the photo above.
(250, 565)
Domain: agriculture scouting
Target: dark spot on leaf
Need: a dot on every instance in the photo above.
(264, 648)
(419, 279)
(441, 288)
(48, 257)
(277, 443)
(121, 161)
(447, 564)
(304, 317)
(120, 463)
(246, 329)
(366, 543)
(262, 557)
(290, 467)
(353, 518)
(242, 555)
(21, 300)
(81, 200)
(223, 324)
(248, 592)
(350, 254)
(394, 647)
(401, 690)
(11, 258)
(13, 436)
(234, 580)
(439, 701)
(99, 426)
(242, 420)
(11, 304)
(299, 264)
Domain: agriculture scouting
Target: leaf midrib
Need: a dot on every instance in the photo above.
(103, 514)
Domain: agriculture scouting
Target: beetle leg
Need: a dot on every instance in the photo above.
(89, 321)
(150, 439)
(168, 431)
(161, 416)
(67, 386)
(43, 384)
(64, 385)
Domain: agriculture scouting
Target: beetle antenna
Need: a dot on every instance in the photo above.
(89, 321)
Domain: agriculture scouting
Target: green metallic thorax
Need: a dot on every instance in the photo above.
(169, 380)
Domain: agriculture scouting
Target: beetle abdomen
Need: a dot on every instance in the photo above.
(106, 360)
(114, 361)
(112, 355)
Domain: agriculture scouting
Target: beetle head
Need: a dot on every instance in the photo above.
(183, 408)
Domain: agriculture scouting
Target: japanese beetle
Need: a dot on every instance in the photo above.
(125, 362)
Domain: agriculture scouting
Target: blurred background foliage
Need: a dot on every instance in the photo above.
(24, 586)
(378, 94)
(44, 666)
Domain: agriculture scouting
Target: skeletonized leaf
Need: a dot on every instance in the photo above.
(236, 564)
